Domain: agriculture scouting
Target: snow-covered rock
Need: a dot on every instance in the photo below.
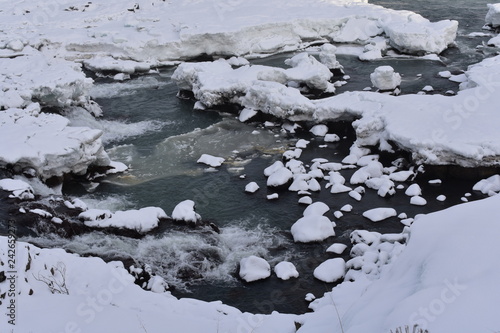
(19, 188)
(413, 190)
(185, 211)
(286, 270)
(384, 78)
(251, 187)
(331, 270)
(254, 268)
(279, 177)
(210, 160)
(319, 130)
(417, 200)
(142, 220)
(379, 214)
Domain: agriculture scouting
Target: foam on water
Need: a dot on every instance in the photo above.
(182, 257)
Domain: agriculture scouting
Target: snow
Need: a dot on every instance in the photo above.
(418, 201)
(142, 220)
(413, 189)
(336, 248)
(493, 15)
(19, 188)
(379, 214)
(488, 186)
(185, 211)
(254, 268)
(384, 78)
(46, 143)
(331, 270)
(251, 187)
(441, 197)
(346, 208)
(313, 226)
(285, 270)
(279, 177)
(210, 160)
(331, 138)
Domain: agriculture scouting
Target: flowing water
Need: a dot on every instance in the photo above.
(160, 137)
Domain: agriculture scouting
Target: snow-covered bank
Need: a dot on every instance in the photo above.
(152, 33)
(433, 282)
(437, 282)
(437, 129)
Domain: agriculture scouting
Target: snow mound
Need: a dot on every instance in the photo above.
(384, 78)
(331, 270)
(490, 186)
(184, 211)
(251, 187)
(254, 268)
(313, 226)
(286, 270)
(379, 214)
(142, 220)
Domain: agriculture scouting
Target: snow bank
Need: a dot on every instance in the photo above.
(152, 33)
(432, 283)
(384, 78)
(32, 75)
(142, 220)
(286, 270)
(19, 188)
(47, 144)
(490, 186)
(102, 296)
(331, 270)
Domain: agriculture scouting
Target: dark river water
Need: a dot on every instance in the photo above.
(160, 137)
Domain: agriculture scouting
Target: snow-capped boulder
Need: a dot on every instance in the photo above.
(254, 268)
(493, 15)
(142, 220)
(286, 270)
(185, 211)
(331, 270)
(384, 78)
(379, 214)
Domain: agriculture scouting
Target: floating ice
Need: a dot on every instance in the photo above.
(210, 160)
(384, 78)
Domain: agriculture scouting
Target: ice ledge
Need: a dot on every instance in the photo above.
(46, 143)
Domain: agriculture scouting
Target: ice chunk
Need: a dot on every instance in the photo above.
(337, 248)
(185, 211)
